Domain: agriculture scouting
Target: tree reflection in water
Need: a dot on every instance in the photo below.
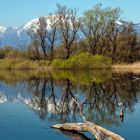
(100, 102)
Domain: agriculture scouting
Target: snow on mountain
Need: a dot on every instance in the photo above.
(119, 23)
(2, 29)
(29, 24)
(136, 26)
(18, 36)
(11, 36)
(33, 23)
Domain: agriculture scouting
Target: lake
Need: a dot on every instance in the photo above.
(32, 101)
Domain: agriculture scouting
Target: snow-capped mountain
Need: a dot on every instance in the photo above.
(18, 36)
(12, 36)
(136, 26)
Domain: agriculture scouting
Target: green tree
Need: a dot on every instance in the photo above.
(95, 25)
(112, 30)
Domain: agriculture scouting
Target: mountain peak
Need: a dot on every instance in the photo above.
(2, 29)
(29, 24)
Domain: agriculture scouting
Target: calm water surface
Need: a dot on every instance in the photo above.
(32, 101)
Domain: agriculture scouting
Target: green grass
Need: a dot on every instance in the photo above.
(82, 61)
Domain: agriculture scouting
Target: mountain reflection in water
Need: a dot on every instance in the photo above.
(52, 95)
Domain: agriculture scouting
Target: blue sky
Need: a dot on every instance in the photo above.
(18, 12)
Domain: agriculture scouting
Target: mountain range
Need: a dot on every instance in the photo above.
(18, 36)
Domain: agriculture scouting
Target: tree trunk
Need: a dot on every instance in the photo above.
(68, 53)
(51, 55)
(113, 52)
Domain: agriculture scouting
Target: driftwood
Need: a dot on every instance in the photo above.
(99, 132)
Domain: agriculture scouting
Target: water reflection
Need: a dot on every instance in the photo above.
(102, 95)
(75, 135)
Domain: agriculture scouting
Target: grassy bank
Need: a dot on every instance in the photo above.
(23, 64)
(135, 65)
(81, 61)
(125, 68)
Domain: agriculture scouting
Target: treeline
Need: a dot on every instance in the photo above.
(96, 31)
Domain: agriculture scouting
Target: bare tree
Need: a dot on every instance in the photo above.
(68, 26)
(51, 34)
(128, 40)
(38, 33)
(112, 31)
(41, 34)
(45, 34)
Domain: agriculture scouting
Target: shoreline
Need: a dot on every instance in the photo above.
(135, 65)
(25, 64)
(125, 68)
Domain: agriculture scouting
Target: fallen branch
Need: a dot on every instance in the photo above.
(136, 78)
(99, 132)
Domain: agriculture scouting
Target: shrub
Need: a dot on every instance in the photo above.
(82, 61)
